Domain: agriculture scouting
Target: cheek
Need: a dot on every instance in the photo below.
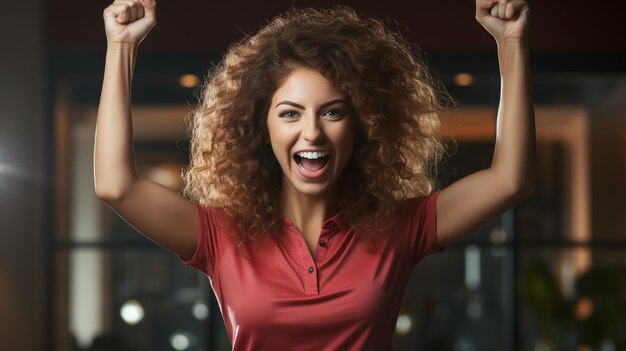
(280, 140)
(273, 134)
(277, 147)
(344, 139)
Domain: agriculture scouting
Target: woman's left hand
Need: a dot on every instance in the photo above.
(505, 20)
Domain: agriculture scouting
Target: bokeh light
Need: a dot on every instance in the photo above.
(189, 81)
(132, 312)
(403, 324)
(464, 79)
(200, 310)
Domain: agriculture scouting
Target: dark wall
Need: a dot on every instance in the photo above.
(442, 25)
(22, 180)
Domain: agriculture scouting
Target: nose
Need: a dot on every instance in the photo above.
(312, 130)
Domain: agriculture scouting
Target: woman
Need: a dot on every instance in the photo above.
(310, 191)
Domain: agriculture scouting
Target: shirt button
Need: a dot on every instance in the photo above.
(322, 243)
(311, 269)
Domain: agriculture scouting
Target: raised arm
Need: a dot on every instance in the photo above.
(158, 213)
(476, 199)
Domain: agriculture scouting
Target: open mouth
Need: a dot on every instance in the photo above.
(311, 161)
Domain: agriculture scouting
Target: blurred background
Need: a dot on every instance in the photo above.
(549, 274)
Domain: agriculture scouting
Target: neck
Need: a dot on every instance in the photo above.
(308, 212)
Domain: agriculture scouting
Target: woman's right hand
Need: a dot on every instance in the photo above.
(129, 21)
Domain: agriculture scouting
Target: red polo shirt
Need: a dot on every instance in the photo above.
(279, 297)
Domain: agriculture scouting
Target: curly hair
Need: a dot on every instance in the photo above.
(396, 102)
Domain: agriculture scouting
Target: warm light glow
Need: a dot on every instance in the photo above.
(168, 175)
(403, 324)
(498, 236)
(584, 308)
(189, 80)
(464, 79)
(132, 312)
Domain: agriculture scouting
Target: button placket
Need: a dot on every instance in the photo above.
(322, 245)
(304, 259)
(311, 281)
(311, 285)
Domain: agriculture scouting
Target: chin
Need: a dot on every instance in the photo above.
(313, 189)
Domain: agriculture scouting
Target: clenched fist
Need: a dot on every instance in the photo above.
(505, 20)
(129, 21)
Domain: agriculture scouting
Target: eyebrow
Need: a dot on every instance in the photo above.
(324, 105)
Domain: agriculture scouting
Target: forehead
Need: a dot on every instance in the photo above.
(305, 84)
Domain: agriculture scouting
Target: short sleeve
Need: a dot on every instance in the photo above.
(421, 227)
(210, 243)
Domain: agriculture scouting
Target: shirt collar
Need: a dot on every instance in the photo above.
(338, 220)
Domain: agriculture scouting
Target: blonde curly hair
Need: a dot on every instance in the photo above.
(397, 105)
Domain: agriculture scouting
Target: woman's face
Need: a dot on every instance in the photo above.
(312, 132)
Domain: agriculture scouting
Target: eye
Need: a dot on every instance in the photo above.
(289, 114)
(334, 113)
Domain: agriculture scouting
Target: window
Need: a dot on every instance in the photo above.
(541, 277)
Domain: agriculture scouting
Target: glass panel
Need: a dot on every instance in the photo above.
(562, 309)
(140, 299)
(460, 300)
(542, 216)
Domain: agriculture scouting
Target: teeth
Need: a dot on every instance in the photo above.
(312, 155)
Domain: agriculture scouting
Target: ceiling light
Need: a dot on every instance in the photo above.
(464, 79)
(189, 80)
